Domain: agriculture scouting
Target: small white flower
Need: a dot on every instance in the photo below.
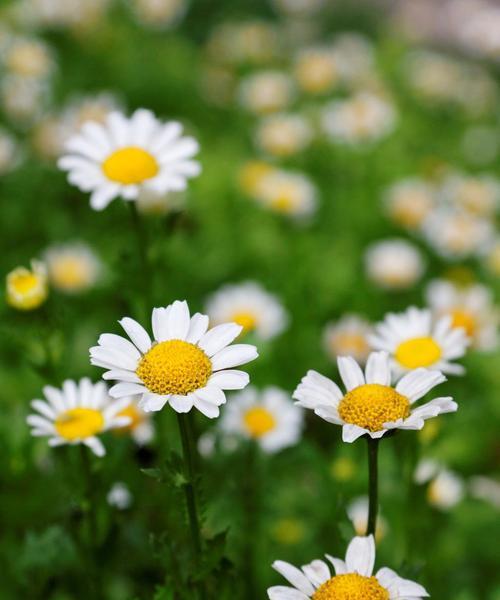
(347, 337)
(446, 490)
(266, 92)
(269, 417)
(409, 202)
(478, 195)
(486, 489)
(76, 414)
(287, 192)
(184, 365)
(72, 267)
(159, 14)
(355, 57)
(414, 339)
(470, 307)
(119, 496)
(283, 134)
(10, 153)
(316, 69)
(353, 578)
(248, 304)
(126, 155)
(394, 264)
(357, 511)
(371, 405)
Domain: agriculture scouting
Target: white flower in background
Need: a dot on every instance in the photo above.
(266, 92)
(491, 256)
(353, 578)
(268, 416)
(27, 289)
(140, 426)
(479, 195)
(154, 204)
(10, 152)
(252, 174)
(76, 414)
(409, 202)
(119, 496)
(371, 405)
(355, 57)
(479, 32)
(77, 15)
(287, 192)
(126, 155)
(362, 119)
(485, 488)
(316, 70)
(445, 490)
(72, 267)
(249, 305)
(283, 134)
(394, 264)
(24, 99)
(455, 234)
(159, 14)
(299, 7)
(347, 337)
(27, 58)
(184, 365)
(357, 511)
(414, 339)
(254, 42)
(470, 307)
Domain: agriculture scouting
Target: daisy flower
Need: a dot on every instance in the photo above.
(184, 365)
(445, 490)
(119, 496)
(248, 304)
(316, 70)
(72, 267)
(357, 511)
(470, 307)
(269, 417)
(287, 192)
(371, 405)
(266, 92)
(414, 340)
(347, 337)
(76, 414)
(27, 289)
(283, 134)
(353, 579)
(409, 202)
(126, 155)
(394, 264)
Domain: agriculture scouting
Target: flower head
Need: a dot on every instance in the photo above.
(353, 579)
(27, 289)
(371, 405)
(414, 339)
(126, 155)
(348, 337)
(72, 267)
(394, 264)
(268, 417)
(76, 414)
(184, 365)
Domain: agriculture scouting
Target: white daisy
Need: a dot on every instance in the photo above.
(72, 267)
(394, 264)
(414, 339)
(371, 405)
(353, 579)
(408, 202)
(76, 414)
(27, 289)
(248, 304)
(348, 336)
(126, 155)
(269, 417)
(470, 307)
(287, 192)
(445, 490)
(357, 511)
(184, 365)
(283, 134)
(119, 496)
(266, 92)
(316, 69)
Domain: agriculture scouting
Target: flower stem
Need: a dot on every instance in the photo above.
(186, 436)
(143, 250)
(372, 485)
(251, 505)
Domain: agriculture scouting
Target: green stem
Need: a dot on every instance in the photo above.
(143, 248)
(188, 454)
(251, 496)
(372, 485)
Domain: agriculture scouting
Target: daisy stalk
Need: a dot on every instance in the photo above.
(373, 446)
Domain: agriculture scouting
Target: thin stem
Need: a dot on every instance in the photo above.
(190, 489)
(372, 485)
(251, 497)
(142, 246)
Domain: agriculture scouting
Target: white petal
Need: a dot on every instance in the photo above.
(294, 576)
(360, 556)
(126, 389)
(197, 328)
(351, 372)
(136, 333)
(95, 445)
(152, 402)
(181, 404)
(338, 564)
(209, 409)
(233, 356)
(281, 592)
(417, 383)
(101, 197)
(351, 433)
(219, 337)
(377, 368)
(317, 572)
(178, 320)
(117, 342)
(229, 380)
(211, 394)
(44, 409)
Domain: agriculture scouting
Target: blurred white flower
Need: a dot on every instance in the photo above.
(159, 14)
(72, 267)
(248, 304)
(475, 194)
(254, 42)
(409, 202)
(10, 152)
(287, 192)
(485, 488)
(266, 92)
(347, 337)
(445, 490)
(394, 264)
(269, 417)
(140, 426)
(27, 58)
(357, 511)
(119, 496)
(316, 70)
(283, 134)
(355, 57)
(299, 7)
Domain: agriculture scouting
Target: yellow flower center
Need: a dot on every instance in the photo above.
(351, 586)
(418, 352)
(24, 282)
(283, 202)
(246, 319)
(136, 418)
(79, 423)
(174, 367)
(130, 165)
(463, 318)
(259, 421)
(70, 273)
(26, 290)
(371, 405)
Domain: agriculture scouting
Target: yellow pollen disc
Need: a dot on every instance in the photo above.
(351, 586)
(174, 367)
(283, 202)
(259, 421)
(462, 318)
(130, 165)
(418, 352)
(79, 423)
(246, 320)
(371, 405)
(69, 273)
(24, 282)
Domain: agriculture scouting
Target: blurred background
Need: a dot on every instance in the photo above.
(350, 155)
